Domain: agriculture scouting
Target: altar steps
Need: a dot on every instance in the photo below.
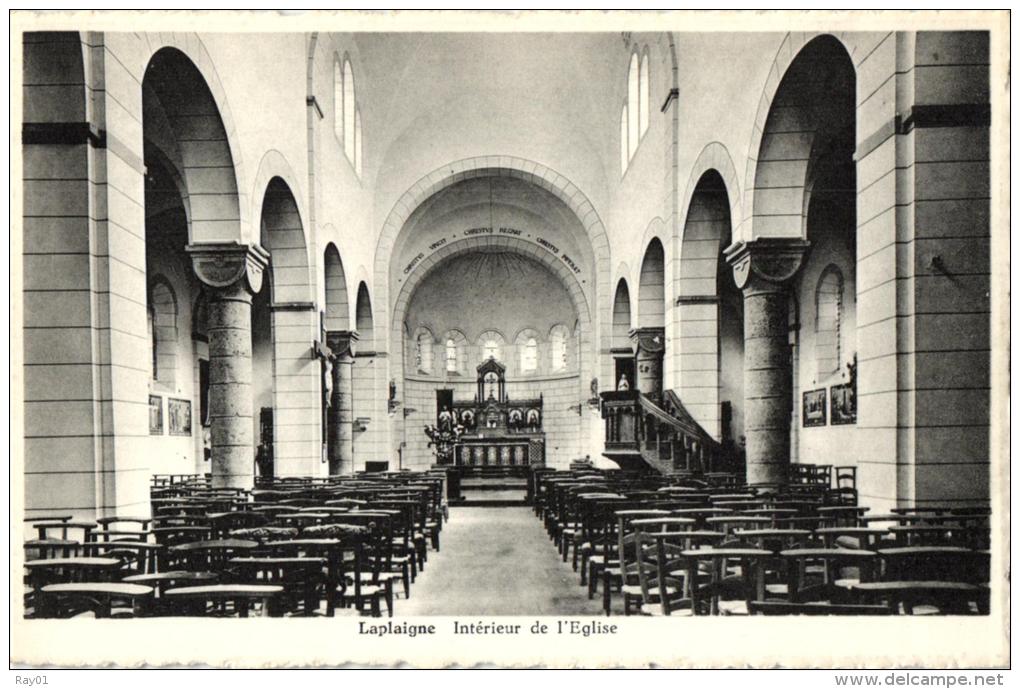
(493, 492)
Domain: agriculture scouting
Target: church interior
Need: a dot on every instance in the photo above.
(401, 324)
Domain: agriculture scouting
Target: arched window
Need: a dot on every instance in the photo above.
(454, 352)
(526, 343)
(529, 356)
(163, 314)
(490, 350)
(558, 345)
(491, 343)
(338, 101)
(451, 356)
(633, 98)
(624, 157)
(357, 142)
(423, 350)
(643, 89)
(828, 314)
(349, 110)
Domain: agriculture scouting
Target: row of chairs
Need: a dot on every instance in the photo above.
(691, 544)
(288, 547)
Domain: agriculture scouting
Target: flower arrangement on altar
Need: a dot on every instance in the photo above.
(444, 440)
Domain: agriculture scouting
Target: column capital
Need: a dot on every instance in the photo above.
(771, 260)
(222, 265)
(648, 339)
(341, 343)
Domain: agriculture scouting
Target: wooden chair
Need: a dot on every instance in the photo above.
(659, 567)
(947, 597)
(137, 557)
(208, 555)
(42, 549)
(621, 567)
(163, 581)
(70, 600)
(831, 562)
(226, 599)
(84, 529)
(341, 552)
(301, 578)
(222, 523)
(372, 580)
(747, 585)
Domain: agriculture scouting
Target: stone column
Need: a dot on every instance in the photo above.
(340, 419)
(763, 268)
(649, 345)
(232, 274)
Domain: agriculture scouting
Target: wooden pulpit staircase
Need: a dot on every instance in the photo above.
(646, 433)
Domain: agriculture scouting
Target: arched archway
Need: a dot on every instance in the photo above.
(337, 402)
(623, 350)
(287, 379)
(185, 123)
(710, 310)
(503, 166)
(804, 188)
(652, 287)
(810, 121)
(369, 392)
(191, 196)
(337, 312)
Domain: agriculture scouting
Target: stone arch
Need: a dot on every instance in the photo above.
(652, 286)
(466, 245)
(706, 232)
(481, 337)
(283, 236)
(508, 166)
(208, 158)
(782, 139)
(716, 158)
(709, 311)
(274, 169)
(296, 374)
(337, 306)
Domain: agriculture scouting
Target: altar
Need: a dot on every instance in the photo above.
(498, 431)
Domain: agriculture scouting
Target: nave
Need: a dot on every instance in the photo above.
(497, 561)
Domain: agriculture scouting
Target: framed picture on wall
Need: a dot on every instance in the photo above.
(155, 415)
(179, 414)
(842, 404)
(814, 408)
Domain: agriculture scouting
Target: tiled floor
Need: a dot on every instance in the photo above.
(497, 561)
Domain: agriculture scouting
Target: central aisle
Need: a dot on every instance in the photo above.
(497, 561)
